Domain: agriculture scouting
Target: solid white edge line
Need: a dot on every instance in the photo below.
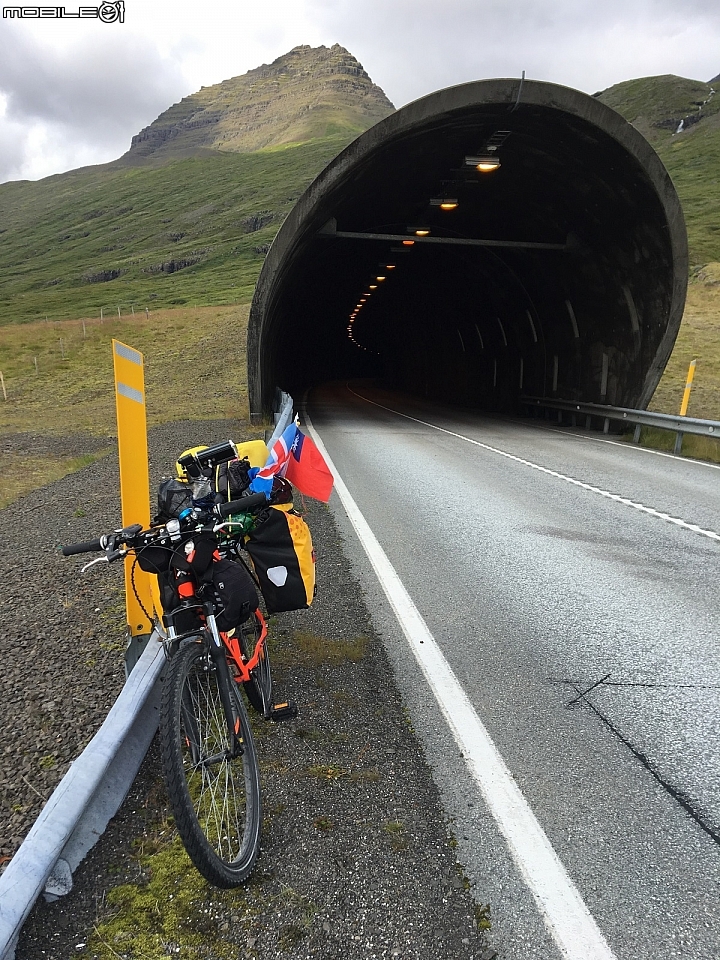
(564, 912)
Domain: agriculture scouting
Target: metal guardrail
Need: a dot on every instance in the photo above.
(641, 418)
(84, 802)
(282, 417)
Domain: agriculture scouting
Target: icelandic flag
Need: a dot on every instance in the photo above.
(295, 457)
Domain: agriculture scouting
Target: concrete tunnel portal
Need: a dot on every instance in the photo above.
(560, 273)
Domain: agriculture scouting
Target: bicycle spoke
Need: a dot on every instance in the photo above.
(217, 800)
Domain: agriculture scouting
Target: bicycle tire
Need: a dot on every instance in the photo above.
(217, 804)
(259, 687)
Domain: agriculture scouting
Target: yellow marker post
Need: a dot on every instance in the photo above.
(134, 476)
(688, 388)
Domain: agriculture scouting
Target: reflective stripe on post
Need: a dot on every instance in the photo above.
(688, 388)
(134, 477)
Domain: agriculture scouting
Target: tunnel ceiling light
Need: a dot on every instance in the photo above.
(422, 232)
(373, 286)
(408, 243)
(379, 279)
(484, 164)
(445, 203)
(389, 266)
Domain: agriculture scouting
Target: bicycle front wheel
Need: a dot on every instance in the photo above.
(214, 789)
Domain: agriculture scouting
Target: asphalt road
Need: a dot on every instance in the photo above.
(536, 587)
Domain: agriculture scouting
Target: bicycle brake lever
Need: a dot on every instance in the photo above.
(110, 555)
(92, 563)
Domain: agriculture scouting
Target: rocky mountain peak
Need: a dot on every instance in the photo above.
(306, 93)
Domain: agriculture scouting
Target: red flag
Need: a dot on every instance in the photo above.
(306, 469)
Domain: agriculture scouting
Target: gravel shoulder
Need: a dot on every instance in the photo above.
(357, 859)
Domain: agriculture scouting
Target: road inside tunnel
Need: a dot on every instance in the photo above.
(560, 272)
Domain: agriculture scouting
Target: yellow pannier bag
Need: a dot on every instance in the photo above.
(281, 549)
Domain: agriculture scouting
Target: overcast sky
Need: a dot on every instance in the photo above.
(73, 92)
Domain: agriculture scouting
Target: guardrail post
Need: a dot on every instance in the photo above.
(606, 425)
(678, 443)
(636, 434)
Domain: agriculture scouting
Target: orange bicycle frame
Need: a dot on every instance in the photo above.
(235, 652)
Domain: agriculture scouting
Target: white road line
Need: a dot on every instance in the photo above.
(635, 447)
(651, 511)
(565, 913)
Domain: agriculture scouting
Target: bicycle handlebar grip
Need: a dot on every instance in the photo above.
(245, 505)
(89, 547)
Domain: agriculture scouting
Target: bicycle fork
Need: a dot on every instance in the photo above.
(219, 657)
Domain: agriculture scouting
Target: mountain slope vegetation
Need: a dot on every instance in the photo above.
(188, 213)
(681, 118)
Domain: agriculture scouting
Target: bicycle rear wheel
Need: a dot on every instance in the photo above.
(214, 795)
(259, 687)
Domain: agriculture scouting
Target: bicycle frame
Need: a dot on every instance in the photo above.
(233, 647)
(220, 641)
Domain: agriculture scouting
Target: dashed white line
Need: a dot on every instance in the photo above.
(651, 511)
(565, 913)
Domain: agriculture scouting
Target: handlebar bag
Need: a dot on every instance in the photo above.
(231, 478)
(174, 496)
(155, 558)
(280, 547)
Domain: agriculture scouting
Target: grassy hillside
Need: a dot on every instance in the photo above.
(187, 214)
(657, 106)
(192, 231)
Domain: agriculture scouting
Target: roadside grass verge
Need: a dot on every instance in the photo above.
(195, 369)
(698, 339)
(696, 448)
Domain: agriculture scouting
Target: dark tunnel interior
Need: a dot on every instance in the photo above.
(560, 273)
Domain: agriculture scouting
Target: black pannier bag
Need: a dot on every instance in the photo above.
(171, 564)
(236, 593)
(280, 547)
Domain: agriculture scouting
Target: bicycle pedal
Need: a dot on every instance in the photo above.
(283, 711)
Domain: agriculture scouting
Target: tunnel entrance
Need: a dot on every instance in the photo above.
(493, 239)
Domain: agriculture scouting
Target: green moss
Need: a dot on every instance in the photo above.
(312, 650)
(396, 833)
(171, 907)
(482, 916)
(327, 771)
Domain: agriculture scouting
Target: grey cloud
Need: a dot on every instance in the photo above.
(411, 47)
(100, 91)
(12, 149)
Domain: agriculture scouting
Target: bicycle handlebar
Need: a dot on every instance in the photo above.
(89, 546)
(248, 504)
